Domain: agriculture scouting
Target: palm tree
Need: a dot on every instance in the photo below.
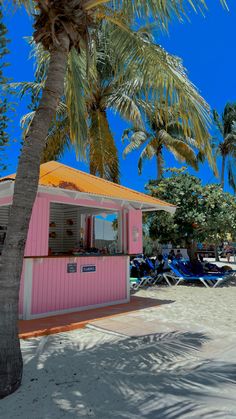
(226, 148)
(109, 87)
(63, 29)
(166, 131)
(4, 105)
(106, 89)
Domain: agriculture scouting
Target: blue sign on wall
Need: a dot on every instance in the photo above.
(88, 268)
(71, 268)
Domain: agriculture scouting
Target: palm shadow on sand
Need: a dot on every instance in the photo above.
(155, 376)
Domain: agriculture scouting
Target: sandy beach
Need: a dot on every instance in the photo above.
(185, 368)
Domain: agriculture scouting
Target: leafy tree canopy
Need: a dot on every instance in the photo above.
(226, 145)
(204, 213)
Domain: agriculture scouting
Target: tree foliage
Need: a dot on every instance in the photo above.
(225, 147)
(4, 105)
(124, 67)
(165, 131)
(204, 213)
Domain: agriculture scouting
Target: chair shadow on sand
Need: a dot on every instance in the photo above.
(157, 376)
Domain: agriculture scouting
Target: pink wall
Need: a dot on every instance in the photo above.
(135, 233)
(37, 239)
(54, 289)
(6, 201)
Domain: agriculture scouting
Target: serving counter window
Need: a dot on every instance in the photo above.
(81, 230)
(106, 233)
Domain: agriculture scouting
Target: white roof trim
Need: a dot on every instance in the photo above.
(144, 206)
(7, 189)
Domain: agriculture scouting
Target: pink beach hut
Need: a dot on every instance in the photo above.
(82, 231)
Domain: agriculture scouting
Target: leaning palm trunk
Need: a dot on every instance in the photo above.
(159, 165)
(216, 252)
(191, 249)
(25, 191)
(223, 172)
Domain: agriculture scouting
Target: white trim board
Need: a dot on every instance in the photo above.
(143, 206)
(128, 276)
(75, 309)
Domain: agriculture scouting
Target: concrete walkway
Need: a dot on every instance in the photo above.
(79, 319)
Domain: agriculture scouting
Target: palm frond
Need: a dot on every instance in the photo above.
(126, 106)
(164, 79)
(91, 4)
(137, 139)
(28, 4)
(201, 156)
(216, 118)
(161, 11)
(147, 154)
(230, 144)
(32, 87)
(229, 118)
(62, 110)
(57, 141)
(41, 58)
(183, 152)
(27, 119)
(165, 138)
(103, 154)
(134, 68)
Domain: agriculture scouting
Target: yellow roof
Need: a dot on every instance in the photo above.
(58, 175)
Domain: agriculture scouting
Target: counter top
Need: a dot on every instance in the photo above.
(84, 255)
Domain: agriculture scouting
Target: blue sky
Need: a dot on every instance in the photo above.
(207, 47)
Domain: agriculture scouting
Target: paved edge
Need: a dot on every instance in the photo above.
(68, 327)
(52, 330)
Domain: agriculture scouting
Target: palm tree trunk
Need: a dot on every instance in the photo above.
(191, 249)
(25, 191)
(159, 164)
(223, 172)
(216, 252)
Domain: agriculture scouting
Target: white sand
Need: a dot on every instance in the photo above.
(185, 370)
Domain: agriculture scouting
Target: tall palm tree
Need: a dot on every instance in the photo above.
(166, 131)
(4, 105)
(105, 89)
(63, 28)
(109, 87)
(226, 148)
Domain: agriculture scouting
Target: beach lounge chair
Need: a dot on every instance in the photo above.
(180, 274)
(164, 277)
(156, 279)
(186, 267)
(140, 282)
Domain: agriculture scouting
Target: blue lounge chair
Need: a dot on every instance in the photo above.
(181, 273)
(140, 282)
(186, 267)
